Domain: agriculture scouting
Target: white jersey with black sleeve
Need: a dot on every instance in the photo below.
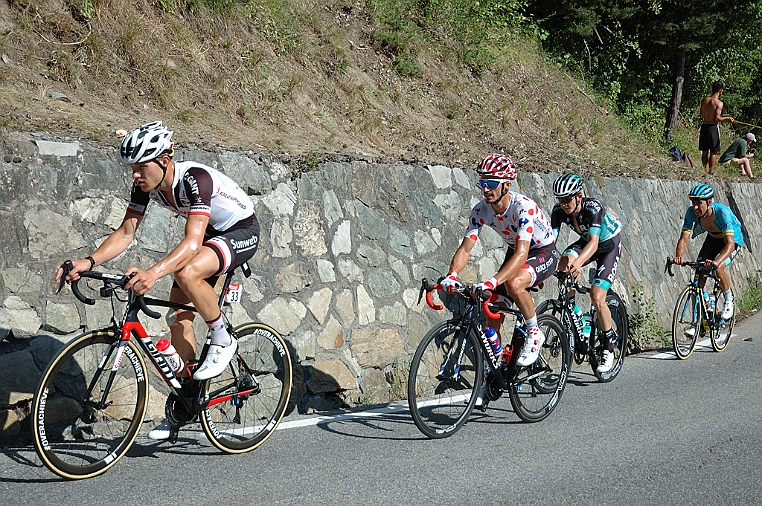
(200, 190)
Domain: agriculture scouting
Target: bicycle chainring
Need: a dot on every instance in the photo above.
(494, 389)
(176, 412)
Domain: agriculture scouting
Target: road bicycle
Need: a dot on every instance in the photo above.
(91, 400)
(455, 358)
(589, 347)
(694, 317)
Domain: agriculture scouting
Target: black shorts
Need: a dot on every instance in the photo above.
(606, 258)
(541, 264)
(709, 138)
(235, 246)
(712, 247)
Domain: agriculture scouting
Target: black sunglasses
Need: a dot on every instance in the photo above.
(565, 200)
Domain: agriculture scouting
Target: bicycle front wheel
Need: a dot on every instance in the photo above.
(445, 374)
(536, 389)
(86, 416)
(248, 400)
(687, 323)
(619, 325)
(722, 329)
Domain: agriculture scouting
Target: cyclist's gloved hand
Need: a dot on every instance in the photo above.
(450, 282)
(489, 285)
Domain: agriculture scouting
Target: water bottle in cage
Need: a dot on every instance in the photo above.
(709, 302)
(494, 341)
(587, 320)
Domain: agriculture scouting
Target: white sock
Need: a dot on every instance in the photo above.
(219, 335)
(532, 322)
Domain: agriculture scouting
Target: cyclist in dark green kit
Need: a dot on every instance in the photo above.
(598, 241)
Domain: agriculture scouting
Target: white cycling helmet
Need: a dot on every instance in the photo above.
(145, 143)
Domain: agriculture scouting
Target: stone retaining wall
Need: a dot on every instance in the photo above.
(343, 249)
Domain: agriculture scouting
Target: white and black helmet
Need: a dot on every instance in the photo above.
(145, 143)
(567, 185)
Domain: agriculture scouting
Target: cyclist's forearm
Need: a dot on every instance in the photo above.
(461, 256)
(588, 251)
(682, 245)
(177, 258)
(114, 244)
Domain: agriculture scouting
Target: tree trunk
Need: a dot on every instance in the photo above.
(677, 95)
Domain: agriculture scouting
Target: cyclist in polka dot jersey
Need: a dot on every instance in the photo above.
(531, 256)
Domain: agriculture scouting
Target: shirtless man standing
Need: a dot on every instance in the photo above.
(709, 136)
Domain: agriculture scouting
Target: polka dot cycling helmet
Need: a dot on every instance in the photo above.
(497, 166)
(567, 185)
(701, 191)
(145, 143)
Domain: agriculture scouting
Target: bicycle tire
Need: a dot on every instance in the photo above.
(536, 389)
(71, 437)
(443, 383)
(240, 424)
(687, 322)
(621, 329)
(722, 329)
(554, 307)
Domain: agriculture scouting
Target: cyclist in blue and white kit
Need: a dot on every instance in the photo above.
(598, 241)
(724, 238)
(221, 233)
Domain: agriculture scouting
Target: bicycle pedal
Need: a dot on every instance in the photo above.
(173, 433)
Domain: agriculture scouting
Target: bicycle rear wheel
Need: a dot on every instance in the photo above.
(722, 329)
(536, 389)
(686, 323)
(248, 400)
(620, 326)
(82, 425)
(445, 374)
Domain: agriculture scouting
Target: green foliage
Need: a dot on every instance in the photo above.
(631, 51)
(751, 298)
(469, 31)
(644, 325)
(397, 378)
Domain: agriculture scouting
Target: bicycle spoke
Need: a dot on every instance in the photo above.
(81, 428)
(444, 374)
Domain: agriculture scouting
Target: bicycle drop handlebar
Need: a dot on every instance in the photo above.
(569, 281)
(118, 280)
(698, 266)
(465, 291)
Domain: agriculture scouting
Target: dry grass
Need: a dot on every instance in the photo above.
(304, 78)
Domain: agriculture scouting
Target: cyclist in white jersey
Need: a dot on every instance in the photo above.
(531, 257)
(221, 233)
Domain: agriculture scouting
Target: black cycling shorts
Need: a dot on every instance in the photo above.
(713, 246)
(606, 258)
(541, 264)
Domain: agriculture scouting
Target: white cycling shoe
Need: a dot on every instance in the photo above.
(161, 432)
(216, 360)
(607, 361)
(531, 350)
(727, 310)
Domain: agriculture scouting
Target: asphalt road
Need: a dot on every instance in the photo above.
(664, 432)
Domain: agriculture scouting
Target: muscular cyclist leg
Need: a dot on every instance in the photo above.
(181, 330)
(192, 282)
(517, 290)
(598, 298)
(724, 277)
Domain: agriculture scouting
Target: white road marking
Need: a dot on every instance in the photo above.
(670, 355)
(391, 409)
